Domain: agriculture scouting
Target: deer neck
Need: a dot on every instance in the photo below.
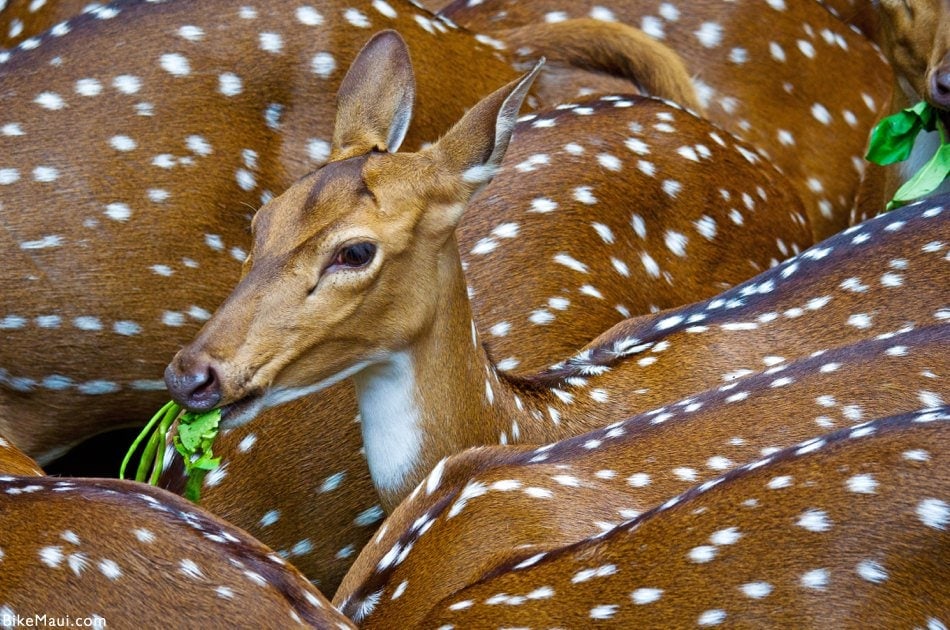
(438, 396)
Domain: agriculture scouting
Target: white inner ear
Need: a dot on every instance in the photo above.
(400, 124)
(508, 115)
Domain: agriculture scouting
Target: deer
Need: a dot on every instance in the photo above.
(643, 267)
(623, 59)
(13, 461)
(626, 468)
(120, 554)
(653, 224)
(332, 484)
(21, 20)
(848, 528)
(376, 296)
(583, 486)
(914, 37)
(771, 89)
(505, 231)
(859, 14)
(122, 211)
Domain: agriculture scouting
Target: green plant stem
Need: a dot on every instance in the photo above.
(148, 456)
(193, 485)
(162, 432)
(141, 436)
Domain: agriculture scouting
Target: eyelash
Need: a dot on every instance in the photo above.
(354, 256)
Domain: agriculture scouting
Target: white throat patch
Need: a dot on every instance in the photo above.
(392, 436)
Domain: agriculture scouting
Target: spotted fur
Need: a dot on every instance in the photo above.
(771, 87)
(124, 553)
(797, 305)
(862, 519)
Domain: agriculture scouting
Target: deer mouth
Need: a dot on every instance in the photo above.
(241, 411)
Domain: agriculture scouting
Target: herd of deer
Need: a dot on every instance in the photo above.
(625, 341)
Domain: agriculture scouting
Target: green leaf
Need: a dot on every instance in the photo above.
(196, 434)
(206, 462)
(928, 115)
(193, 440)
(194, 428)
(927, 179)
(893, 138)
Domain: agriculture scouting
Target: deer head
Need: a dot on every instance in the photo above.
(916, 36)
(343, 265)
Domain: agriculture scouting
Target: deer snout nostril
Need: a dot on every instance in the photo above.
(197, 389)
(210, 385)
(940, 86)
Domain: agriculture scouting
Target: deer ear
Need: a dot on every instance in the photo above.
(474, 148)
(374, 102)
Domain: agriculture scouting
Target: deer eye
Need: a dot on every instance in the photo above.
(355, 255)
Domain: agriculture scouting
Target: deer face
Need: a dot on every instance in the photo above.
(331, 283)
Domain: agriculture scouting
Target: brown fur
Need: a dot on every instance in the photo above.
(762, 96)
(412, 197)
(433, 5)
(606, 49)
(825, 374)
(13, 461)
(82, 524)
(502, 292)
(18, 23)
(860, 14)
(750, 519)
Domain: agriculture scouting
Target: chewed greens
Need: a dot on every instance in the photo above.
(193, 440)
(892, 141)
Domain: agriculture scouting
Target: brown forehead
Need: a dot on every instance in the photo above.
(314, 203)
(338, 178)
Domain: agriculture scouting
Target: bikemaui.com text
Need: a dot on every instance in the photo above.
(8, 620)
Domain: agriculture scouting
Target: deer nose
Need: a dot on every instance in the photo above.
(197, 387)
(940, 86)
